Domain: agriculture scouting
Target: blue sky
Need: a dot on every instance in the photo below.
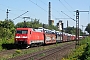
(18, 7)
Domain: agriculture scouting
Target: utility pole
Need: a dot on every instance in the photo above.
(7, 13)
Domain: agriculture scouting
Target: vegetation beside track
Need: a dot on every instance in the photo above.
(20, 52)
(6, 44)
(82, 52)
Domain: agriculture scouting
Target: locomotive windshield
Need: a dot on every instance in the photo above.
(21, 31)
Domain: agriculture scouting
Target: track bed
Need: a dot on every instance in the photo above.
(56, 53)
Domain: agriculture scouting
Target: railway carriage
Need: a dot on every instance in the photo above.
(73, 37)
(50, 38)
(58, 37)
(65, 37)
(68, 37)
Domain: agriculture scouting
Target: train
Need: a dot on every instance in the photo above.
(29, 36)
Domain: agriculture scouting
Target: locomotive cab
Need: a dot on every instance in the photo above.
(21, 36)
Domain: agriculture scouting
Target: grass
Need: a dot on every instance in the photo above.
(31, 50)
(81, 52)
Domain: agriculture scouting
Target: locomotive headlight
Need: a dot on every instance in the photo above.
(24, 37)
(16, 39)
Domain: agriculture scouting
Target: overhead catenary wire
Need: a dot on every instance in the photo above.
(65, 7)
(11, 7)
(68, 16)
(52, 7)
(37, 5)
(47, 5)
(40, 7)
(69, 4)
(89, 14)
(20, 15)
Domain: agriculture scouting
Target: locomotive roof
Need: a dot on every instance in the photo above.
(24, 28)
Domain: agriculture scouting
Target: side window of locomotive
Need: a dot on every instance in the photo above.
(30, 32)
(19, 32)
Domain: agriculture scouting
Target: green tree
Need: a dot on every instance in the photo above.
(34, 23)
(6, 29)
(52, 27)
(88, 28)
(72, 30)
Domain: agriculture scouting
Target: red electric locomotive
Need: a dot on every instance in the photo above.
(27, 36)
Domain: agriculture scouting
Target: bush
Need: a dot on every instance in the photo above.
(82, 52)
(4, 43)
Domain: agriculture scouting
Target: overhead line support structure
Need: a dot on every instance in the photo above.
(77, 25)
(25, 21)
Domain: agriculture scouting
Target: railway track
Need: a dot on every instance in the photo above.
(44, 54)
